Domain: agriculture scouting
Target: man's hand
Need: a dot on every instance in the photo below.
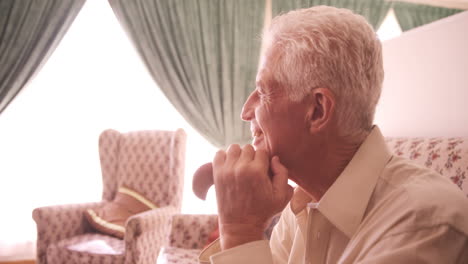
(247, 195)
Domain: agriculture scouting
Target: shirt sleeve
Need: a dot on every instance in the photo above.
(262, 251)
(252, 252)
(439, 244)
(281, 238)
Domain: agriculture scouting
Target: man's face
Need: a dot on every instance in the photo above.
(278, 125)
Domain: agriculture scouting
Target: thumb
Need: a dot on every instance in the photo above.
(280, 178)
(280, 173)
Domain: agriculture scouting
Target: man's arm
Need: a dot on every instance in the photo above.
(276, 252)
(282, 237)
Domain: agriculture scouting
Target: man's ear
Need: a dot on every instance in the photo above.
(321, 110)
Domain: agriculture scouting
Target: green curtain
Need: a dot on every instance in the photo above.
(411, 15)
(373, 10)
(29, 33)
(203, 54)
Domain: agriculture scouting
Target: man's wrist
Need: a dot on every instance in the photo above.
(233, 235)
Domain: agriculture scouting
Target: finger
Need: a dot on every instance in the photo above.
(232, 154)
(218, 163)
(219, 158)
(280, 180)
(280, 173)
(261, 156)
(247, 154)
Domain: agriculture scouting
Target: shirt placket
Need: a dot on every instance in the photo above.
(318, 235)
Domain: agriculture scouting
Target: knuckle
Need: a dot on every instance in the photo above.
(248, 147)
(262, 152)
(233, 147)
(219, 155)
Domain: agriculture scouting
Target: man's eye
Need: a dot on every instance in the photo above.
(263, 97)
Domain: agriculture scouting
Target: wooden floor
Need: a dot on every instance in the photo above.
(19, 262)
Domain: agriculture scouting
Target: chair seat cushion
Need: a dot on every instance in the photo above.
(87, 248)
(170, 255)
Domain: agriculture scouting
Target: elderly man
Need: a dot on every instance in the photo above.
(311, 116)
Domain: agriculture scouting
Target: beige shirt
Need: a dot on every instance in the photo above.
(381, 209)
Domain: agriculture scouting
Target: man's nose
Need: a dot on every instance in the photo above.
(248, 110)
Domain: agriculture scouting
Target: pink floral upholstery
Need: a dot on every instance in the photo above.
(55, 223)
(87, 248)
(150, 162)
(188, 236)
(133, 159)
(448, 156)
(171, 255)
(191, 231)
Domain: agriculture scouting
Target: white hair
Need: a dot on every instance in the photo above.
(330, 48)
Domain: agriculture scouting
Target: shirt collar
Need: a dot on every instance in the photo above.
(345, 202)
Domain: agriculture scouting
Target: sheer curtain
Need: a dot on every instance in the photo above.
(48, 134)
(30, 31)
(374, 11)
(411, 15)
(202, 54)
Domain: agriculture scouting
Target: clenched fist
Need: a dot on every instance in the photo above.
(250, 189)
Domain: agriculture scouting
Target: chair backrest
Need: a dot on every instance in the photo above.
(447, 156)
(151, 162)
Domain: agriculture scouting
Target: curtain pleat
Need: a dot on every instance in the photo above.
(203, 54)
(373, 10)
(29, 33)
(411, 15)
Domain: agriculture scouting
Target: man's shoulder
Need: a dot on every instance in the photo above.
(409, 197)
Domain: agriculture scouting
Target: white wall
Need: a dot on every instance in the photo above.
(425, 91)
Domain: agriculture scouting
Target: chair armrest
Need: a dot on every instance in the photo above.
(57, 222)
(191, 231)
(146, 233)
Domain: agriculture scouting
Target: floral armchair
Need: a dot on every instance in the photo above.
(150, 162)
(188, 236)
(448, 156)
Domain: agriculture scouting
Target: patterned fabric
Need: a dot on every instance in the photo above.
(191, 231)
(108, 155)
(146, 233)
(87, 248)
(55, 223)
(447, 156)
(144, 161)
(173, 255)
(150, 162)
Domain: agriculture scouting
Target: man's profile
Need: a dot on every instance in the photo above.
(311, 117)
